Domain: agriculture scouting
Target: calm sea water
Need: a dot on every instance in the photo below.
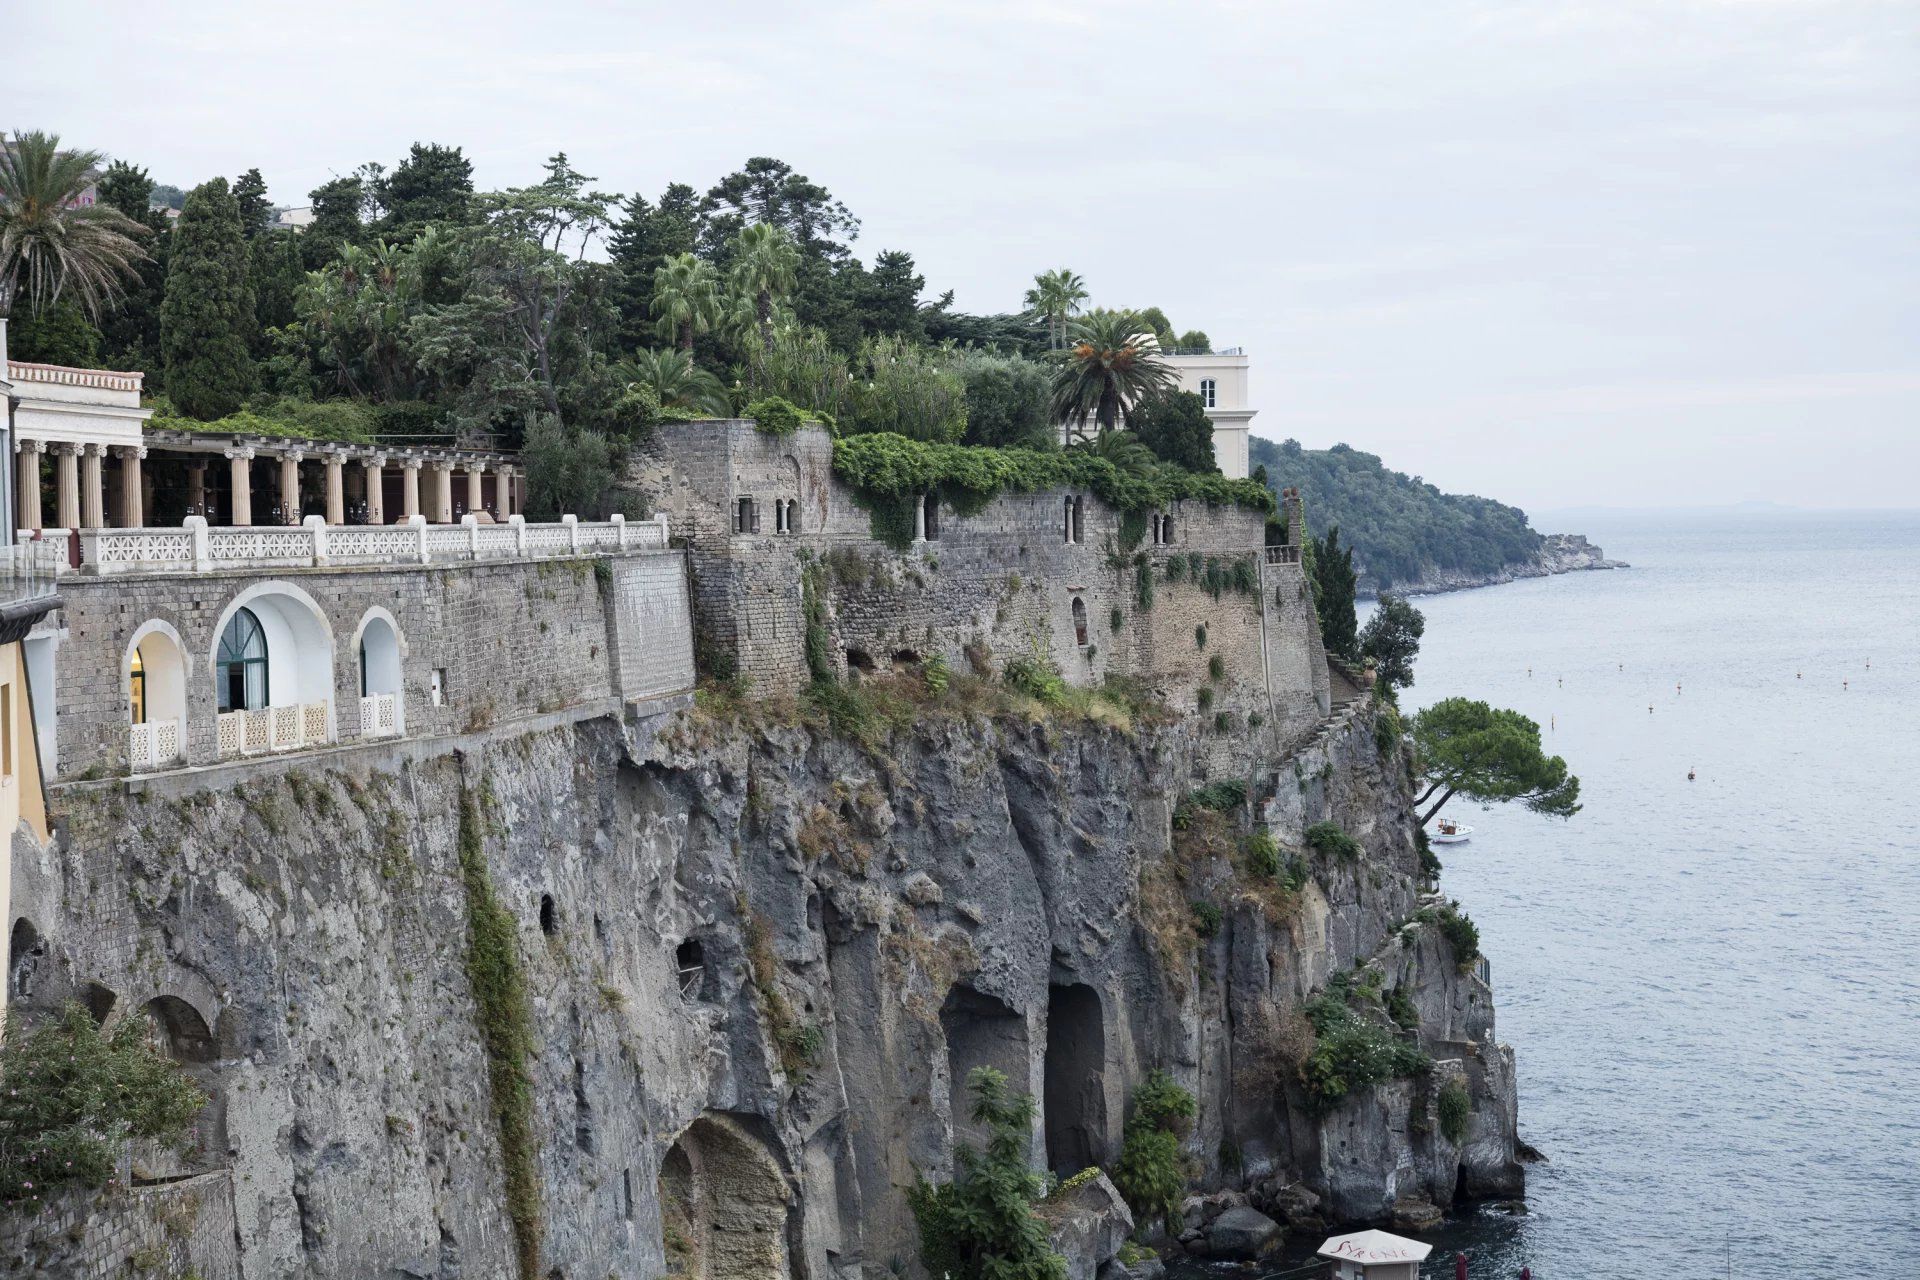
(1713, 986)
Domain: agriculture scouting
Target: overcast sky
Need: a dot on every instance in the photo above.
(1617, 253)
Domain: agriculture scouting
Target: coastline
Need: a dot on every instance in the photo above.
(1559, 553)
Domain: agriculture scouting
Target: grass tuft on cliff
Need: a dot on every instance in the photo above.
(506, 1034)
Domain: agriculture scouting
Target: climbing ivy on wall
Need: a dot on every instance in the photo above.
(506, 1034)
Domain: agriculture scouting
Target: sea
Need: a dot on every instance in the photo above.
(1711, 974)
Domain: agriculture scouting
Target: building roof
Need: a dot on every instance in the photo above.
(1375, 1246)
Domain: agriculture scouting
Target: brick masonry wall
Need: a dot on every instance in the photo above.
(509, 640)
(170, 1230)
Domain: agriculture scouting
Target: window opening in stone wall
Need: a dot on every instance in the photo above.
(549, 915)
(240, 677)
(1075, 1095)
(99, 1001)
(439, 686)
(779, 516)
(860, 660)
(137, 687)
(1166, 529)
(930, 506)
(1079, 621)
(690, 965)
(24, 949)
(1079, 515)
(746, 519)
(793, 515)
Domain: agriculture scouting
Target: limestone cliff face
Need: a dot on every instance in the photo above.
(758, 962)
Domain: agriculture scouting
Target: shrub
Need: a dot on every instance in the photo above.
(1429, 860)
(1461, 934)
(1331, 840)
(1038, 678)
(937, 675)
(1152, 1172)
(1222, 721)
(1217, 667)
(1206, 919)
(1455, 1108)
(1351, 1053)
(1176, 568)
(73, 1095)
(1200, 636)
(1387, 730)
(1205, 699)
(1400, 1009)
(1229, 793)
(775, 416)
(1263, 855)
(981, 1226)
(1143, 585)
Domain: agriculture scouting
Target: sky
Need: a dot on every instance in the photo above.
(1622, 253)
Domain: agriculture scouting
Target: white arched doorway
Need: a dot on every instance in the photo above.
(382, 687)
(272, 666)
(155, 671)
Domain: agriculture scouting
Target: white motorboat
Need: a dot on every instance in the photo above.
(1445, 832)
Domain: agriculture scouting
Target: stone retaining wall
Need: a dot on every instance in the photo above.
(174, 1229)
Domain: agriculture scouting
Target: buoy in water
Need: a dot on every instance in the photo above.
(1689, 775)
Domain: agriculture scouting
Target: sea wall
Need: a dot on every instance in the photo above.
(757, 959)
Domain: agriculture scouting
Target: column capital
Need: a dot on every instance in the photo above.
(245, 452)
(93, 449)
(374, 460)
(292, 455)
(138, 451)
(411, 464)
(64, 449)
(478, 468)
(24, 445)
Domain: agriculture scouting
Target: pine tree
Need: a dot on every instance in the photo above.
(250, 194)
(206, 318)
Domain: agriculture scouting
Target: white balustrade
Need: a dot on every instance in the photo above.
(379, 715)
(270, 729)
(153, 745)
(199, 546)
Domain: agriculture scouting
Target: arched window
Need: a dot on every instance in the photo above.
(793, 515)
(930, 508)
(1079, 526)
(1207, 392)
(1079, 621)
(240, 678)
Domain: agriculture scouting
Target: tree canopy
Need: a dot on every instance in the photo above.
(1330, 572)
(206, 316)
(1391, 639)
(1464, 747)
(1174, 424)
(51, 245)
(1400, 527)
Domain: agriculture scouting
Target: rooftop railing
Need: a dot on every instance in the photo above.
(66, 375)
(196, 547)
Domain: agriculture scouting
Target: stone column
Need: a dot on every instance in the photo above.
(336, 490)
(66, 467)
(442, 496)
(240, 461)
(503, 491)
(475, 503)
(29, 479)
(375, 471)
(410, 488)
(290, 486)
(93, 492)
(133, 513)
(197, 487)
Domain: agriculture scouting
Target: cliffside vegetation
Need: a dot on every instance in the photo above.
(1399, 526)
(981, 1226)
(71, 1096)
(1152, 1171)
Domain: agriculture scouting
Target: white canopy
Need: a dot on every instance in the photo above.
(1375, 1246)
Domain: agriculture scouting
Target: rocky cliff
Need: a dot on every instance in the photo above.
(699, 993)
(1558, 553)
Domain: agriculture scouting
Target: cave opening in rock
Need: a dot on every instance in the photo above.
(99, 1001)
(1075, 1095)
(723, 1203)
(178, 1031)
(859, 660)
(24, 949)
(981, 1031)
(549, 915)
(690, 968)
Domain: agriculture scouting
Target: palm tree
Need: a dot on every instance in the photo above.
(1110, 363)
(49, 241)
(686, 299)
(1055, 296)
(678, 382)
(1123, 449)
(765, 264)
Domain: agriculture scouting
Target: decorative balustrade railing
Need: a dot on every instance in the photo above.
(270, 729)
(155, 745)
(196, 546)
(379, 715)
(1283, 555)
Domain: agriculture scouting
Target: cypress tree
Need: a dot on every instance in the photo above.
(1334, 582)
(206, 317)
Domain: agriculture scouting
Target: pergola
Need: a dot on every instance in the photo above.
(111, 469)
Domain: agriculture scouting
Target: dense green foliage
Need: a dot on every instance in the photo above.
(506, 1034)
(1464, 747)
(1105, 370)
(1152, 1171)
(1174, 425)
(70, 1096)
(1391, 640)
(1461, 934)
(1352, 1052)
(1330, 569)
(1328, 838)
(569, 470)
(774, 416)
(1006, 400)
(982, 1225)
(57, 334)
(206, 316)
(1401, 528)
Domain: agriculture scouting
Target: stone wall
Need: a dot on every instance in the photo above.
(1054, 575)
(173, 1229)
(479, 644)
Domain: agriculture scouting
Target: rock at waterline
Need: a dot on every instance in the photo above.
(1242, 1232)
(1088, 1222)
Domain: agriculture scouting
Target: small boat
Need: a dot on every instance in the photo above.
(1450, 832)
